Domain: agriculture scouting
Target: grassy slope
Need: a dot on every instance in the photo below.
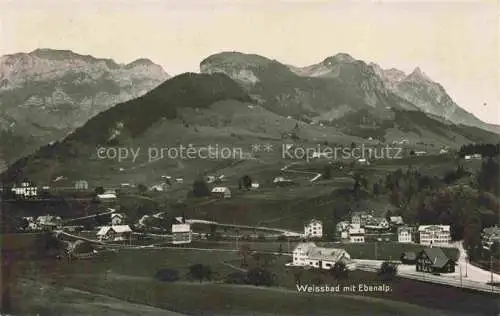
(121, 276)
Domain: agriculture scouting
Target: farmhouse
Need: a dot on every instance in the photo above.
(405, 234)
(115, 233)
(221, 192)
(434, 260)
(434, 234)
(313, 229)
(181, 234)
(309, 255)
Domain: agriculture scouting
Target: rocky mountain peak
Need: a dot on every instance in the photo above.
(418, 75)
(339, 58)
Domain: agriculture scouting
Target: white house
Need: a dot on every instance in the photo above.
(117, 219)
(434, 234)
(49, 221)
(107, 196)
(377, 223)
(356, 233)
(310, 255)
(115, 233)
(405, 234)
(396, 220)
(81, 185)
(313, 229)
(159, 187)
(363, 161)
(221, 192)
(25, 190)
(181, 234)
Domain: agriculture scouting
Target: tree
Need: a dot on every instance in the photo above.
(48, 245)
(339, 270)
(376, 188)
(99, 190)
(167, 275)
(246, 182)
(327, 172)
(244, 252)
(141, 188)
(259, 276)
(387, 270)
(200, 188)
(297, 275)
(200, 272)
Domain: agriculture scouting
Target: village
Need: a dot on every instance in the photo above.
(284, 225)
(420, 247)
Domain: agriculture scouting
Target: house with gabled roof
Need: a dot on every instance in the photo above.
(309, 255)
(221, 192)
(114, 233)
(434, 260)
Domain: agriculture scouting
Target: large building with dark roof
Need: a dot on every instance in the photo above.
(434, 260)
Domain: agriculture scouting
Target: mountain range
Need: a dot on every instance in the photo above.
(46, 94)
(238, 99)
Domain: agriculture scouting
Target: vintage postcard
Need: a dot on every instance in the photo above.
(250, 157)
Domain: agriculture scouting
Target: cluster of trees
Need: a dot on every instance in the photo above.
(199, 272)
(200, 188)
(257, 276)
(468, 209)
(486, 150)
(245, 182)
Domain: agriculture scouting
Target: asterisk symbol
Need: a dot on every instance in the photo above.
(255, 147)
(268, 148)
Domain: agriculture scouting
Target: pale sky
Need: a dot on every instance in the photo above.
(456, 43)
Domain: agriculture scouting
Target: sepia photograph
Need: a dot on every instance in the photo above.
(249, 157)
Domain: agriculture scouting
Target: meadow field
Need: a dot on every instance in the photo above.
(129, 275)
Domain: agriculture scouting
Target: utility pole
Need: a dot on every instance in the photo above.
(466, 259)
(491, 270)
(461, 284)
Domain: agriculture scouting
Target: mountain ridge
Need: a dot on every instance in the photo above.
(45, 94)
